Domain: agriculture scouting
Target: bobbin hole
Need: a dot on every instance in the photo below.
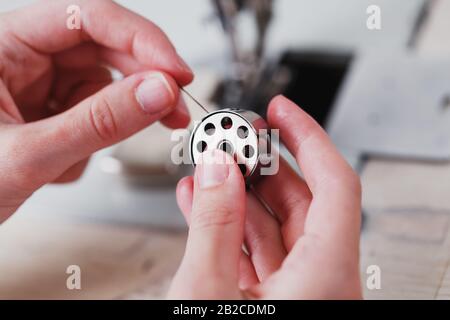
(226, 123)
(248, 151)
(242, 132)
(202, 146)
(226, 146)
(210, 129)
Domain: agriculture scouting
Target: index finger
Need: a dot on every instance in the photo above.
(335, 208)
(103, 22)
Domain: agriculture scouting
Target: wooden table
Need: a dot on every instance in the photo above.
(408, 207)
(406, 234)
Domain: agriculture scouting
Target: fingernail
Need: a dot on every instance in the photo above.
(154, 94)
(212, 171)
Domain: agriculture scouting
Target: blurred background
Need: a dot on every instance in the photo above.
(382, 94)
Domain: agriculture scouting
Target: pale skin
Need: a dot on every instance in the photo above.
(308, 248)
(58, 105)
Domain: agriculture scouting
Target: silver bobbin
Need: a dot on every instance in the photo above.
(234, 131)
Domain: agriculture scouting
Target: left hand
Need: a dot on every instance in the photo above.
(58, 104)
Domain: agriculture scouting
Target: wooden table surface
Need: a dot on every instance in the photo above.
(407, 234)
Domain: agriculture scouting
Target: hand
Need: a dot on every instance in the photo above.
(309, 249)
(58, 104)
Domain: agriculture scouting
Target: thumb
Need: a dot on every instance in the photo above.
(215, 239)
(113, 114)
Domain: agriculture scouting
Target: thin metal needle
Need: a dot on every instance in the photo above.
(193, 99)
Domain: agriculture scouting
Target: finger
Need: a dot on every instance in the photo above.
(77, 95)
(87, 89)
(179, 118)
(9, 113)
(81, 92)
(290, 203)
(29, 88)
(213, 249)
(263, 239)
(83, 55)
(90, 54)
(247, 274)
(69, 80)
(113, 114)
(334, 212)
(124, 62)
(185, 194)
(130, 33)
(73, 173)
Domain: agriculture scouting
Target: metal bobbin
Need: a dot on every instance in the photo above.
(236, 132)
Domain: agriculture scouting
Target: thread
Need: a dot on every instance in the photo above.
(193, 99)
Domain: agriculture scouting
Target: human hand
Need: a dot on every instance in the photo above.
(57, 102)
(309, 249)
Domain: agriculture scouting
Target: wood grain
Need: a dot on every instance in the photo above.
(116, 262)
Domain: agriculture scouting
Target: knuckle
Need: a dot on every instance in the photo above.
(217, 217)
(102, 119)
